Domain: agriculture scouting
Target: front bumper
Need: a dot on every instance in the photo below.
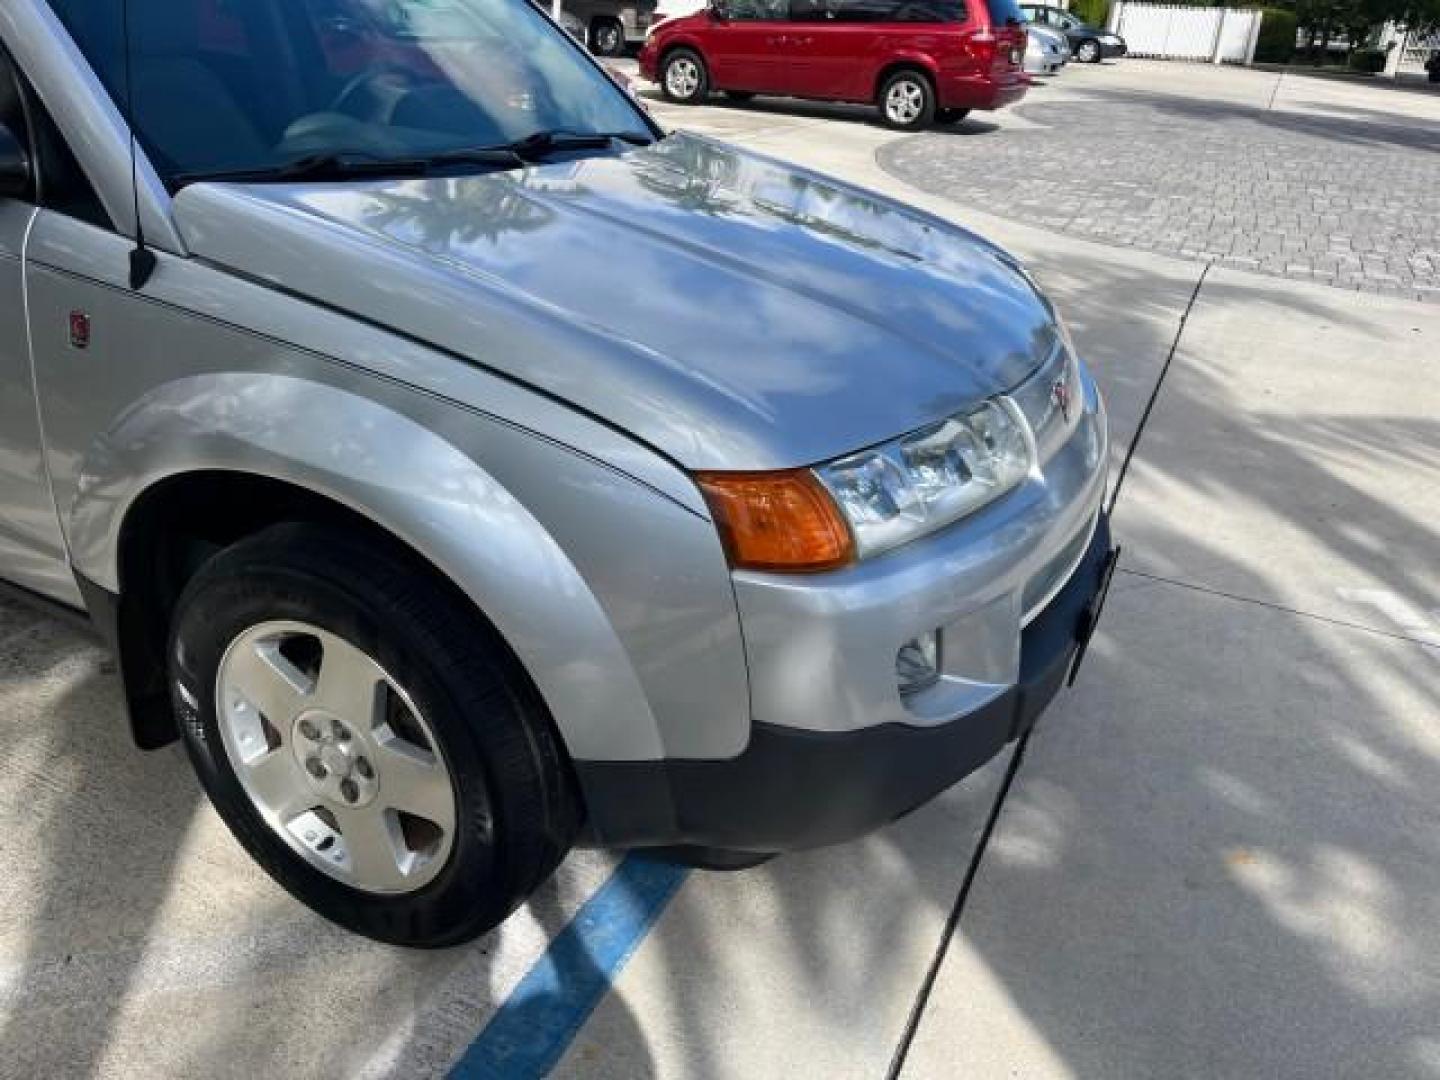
(835, 750)
(795, 789)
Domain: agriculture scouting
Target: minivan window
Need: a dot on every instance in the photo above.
(758, 10)
(879, 11)
(248, 85)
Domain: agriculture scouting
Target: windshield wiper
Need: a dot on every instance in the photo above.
(354, 165)
(360, 164)
(539, 145)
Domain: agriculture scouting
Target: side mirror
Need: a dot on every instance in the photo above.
(15, 172)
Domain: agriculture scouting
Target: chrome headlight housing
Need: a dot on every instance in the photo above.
(918, 483)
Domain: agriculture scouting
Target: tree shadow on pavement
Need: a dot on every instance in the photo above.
(1220, 857)
(1227, 836)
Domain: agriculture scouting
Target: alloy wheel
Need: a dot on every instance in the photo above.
(335, 757)
(904, 102)
(608, 39)
(682, 77)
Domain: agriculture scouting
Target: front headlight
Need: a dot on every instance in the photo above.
(916, 484)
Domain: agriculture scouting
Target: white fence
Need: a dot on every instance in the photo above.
(1170, 32)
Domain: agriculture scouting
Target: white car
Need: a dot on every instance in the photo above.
(673, 9)
(1046, 51)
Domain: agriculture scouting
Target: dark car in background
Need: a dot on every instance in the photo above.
(919, 61)
(1089, 44)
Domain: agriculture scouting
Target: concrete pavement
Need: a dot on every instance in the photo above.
(1216, 860)
(1218, 857)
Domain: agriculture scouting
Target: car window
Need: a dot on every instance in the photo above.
(12, 106)
(63, 185)
(1005, 13)
(759, 10)
(852, 11)
(227, 85)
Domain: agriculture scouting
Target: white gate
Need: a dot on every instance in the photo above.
(1172, 32)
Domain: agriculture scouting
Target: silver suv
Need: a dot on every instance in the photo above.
(462, 467)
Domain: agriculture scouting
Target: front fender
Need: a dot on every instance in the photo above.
(410, 480)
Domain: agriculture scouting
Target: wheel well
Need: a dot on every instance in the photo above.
(671, 50)
(903, 65)
(168, 534)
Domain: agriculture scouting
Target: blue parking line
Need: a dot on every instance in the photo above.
(536, 1024)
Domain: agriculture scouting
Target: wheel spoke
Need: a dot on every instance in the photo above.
(374, 846)
(349, 683)
(266, 681)
(277, 786)
(412, 780)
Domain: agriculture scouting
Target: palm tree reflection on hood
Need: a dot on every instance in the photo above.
(439, 215)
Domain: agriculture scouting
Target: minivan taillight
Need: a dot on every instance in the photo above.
(985, 43)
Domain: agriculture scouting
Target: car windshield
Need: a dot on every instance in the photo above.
(254, 86)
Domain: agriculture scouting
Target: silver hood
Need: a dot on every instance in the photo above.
(728, 310)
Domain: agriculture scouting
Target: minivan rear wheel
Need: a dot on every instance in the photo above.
(367, 736)
(907, 101)
(684, 78)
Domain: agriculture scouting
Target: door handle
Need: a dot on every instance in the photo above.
(780, 40)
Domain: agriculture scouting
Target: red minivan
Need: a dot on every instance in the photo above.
(918, 60)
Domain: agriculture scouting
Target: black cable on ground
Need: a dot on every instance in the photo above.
(952, 922)
(1155, 392)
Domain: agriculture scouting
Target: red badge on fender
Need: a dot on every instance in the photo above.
(79, 330)
(1061, 396)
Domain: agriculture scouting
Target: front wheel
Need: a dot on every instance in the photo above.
(367, 736)
(607, 37)
(1088, 52)
(683, 77)
(907, 101)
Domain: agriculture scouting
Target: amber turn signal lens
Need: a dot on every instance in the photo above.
(783, 521)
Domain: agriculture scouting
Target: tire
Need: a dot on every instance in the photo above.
(906, 101)
(684, 78)
(950, 116)
(450, 712)
(607, 37)
(1089, 52)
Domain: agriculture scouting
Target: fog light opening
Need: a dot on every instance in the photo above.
(917, 664)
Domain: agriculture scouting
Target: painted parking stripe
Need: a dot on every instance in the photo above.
(532, 1029)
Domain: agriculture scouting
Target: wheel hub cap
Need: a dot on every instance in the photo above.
(335, 757)
(904, 102)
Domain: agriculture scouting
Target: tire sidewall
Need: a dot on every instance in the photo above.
(469, 889)
(926, 116)
(701, 89)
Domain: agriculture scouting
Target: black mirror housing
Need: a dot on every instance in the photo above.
(15, 172)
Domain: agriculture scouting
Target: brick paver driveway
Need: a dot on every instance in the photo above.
(1351, 201)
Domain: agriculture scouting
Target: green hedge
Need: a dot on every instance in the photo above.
(1276, 44)
(1371, 60)
(1094, 12)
